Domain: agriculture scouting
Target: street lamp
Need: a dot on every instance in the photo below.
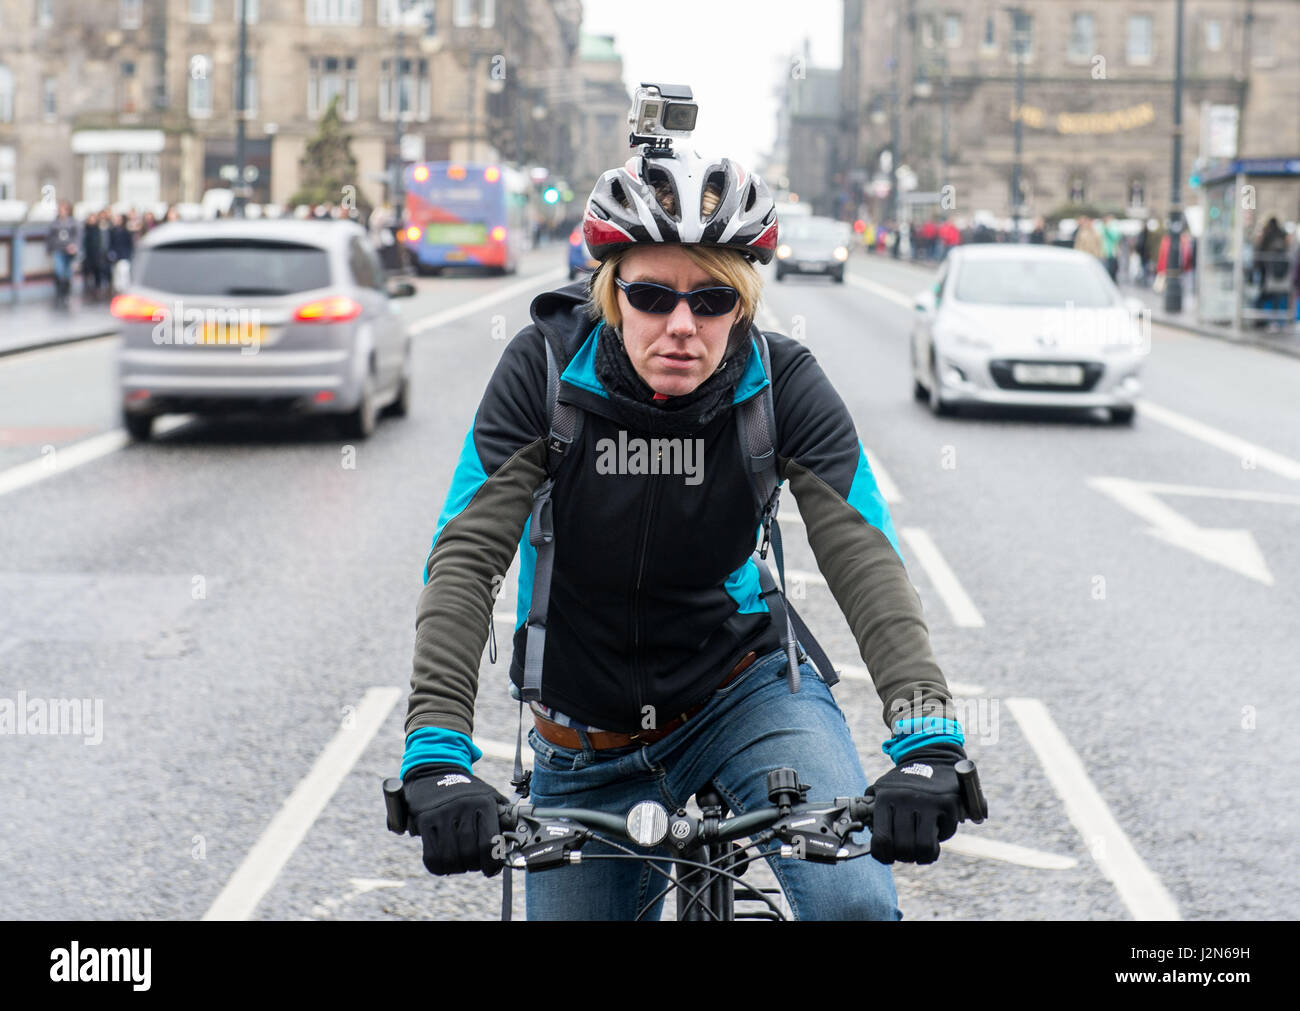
(1017, 45)
(1173, 261)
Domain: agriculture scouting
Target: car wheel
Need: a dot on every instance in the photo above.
(919, 392)
(401, 405)
(938, 406)
(1122, 415)
(138, 426)
(360, 424)
(839, 277)
(780, 275)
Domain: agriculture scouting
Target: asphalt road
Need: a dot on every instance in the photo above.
(231, 595)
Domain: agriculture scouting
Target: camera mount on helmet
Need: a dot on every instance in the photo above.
(659, 113)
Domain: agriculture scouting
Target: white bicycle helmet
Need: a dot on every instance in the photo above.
(624, 208)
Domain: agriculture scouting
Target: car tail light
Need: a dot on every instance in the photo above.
(421, 173)
(455, 171)
(499, 234)
(575, 236)
(413, 234)
(337, 309)
(133, 307)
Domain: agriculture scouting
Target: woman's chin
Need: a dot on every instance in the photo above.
(674, 385)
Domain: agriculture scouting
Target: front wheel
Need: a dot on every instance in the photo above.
(1122, 415)
(938, 406)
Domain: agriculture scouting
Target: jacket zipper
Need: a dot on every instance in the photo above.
(638, 688)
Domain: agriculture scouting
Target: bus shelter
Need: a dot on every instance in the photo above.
(1237, 285)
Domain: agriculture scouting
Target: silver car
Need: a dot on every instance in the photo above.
(261, 315)
(1027, 325)
(812, 245)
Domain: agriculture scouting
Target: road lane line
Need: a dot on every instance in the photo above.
(533, 282)
(28, 355)
(963, 610)
(879, 289)
(1220, 439)
(1139, 889)
(851, 672)
(289, 827)
(992, 849)
(65, 458)
(888, 489)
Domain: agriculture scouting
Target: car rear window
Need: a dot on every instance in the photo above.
(1012, 281)
(233, 267)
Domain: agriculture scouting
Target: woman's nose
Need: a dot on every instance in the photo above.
(681, 320)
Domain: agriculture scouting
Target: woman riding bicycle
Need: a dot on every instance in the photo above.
(663, 669)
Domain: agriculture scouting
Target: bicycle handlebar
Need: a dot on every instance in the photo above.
(536, 838)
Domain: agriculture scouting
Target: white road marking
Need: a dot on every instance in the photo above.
(289, 827)
(534, 283)
(504, 751)
(1234, 549)
(888, 489)
(1139, 889)
(1219, 439)
(64, 458)
(879, 289)
(991, 849)
(851, 672)
(26, 357)
(963, 610)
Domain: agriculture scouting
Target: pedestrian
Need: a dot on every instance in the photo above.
(63, 242)
(121, 247)
(1110, 246)
(1162, 259)
(1086, 237)
(1038, 236)
(92, 256)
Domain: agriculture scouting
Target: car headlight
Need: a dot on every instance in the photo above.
(782, 251)
(841, 253)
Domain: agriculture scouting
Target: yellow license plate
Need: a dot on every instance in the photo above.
(456, 254)
(242, 335)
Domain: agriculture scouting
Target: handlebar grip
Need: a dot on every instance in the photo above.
(968, 779)
(399, 815)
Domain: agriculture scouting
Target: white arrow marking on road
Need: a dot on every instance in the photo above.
(255, 876)
(534, 283)
(1233, 549)
(1139, 889)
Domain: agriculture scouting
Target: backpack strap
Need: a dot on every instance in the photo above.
(756, 426)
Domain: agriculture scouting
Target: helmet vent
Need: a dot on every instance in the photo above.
(751, 196)
(616, 191)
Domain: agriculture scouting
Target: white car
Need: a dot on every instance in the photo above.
(1027, 325)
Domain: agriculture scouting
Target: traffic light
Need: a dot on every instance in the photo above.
(550, 194)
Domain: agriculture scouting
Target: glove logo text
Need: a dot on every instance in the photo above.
(451, 779)
(918, 770)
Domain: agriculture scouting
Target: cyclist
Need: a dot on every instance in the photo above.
(663, 668)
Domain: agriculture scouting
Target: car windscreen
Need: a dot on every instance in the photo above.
(830, 233)
(1012, 281)
(232, 267)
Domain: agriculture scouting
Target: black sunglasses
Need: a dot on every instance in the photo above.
(661, 300)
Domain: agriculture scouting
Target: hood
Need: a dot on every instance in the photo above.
(561, 318)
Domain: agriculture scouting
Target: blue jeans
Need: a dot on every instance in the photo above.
(63, 265)
(746, 730)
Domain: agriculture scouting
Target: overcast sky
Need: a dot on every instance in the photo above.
(732, 54)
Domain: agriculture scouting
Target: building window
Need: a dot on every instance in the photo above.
(45, 13)
(329, 76)
(1022, 35)
(200, 12)
(129, 14)
(927, 33)
(1077, 190)
(200, 97)
(50, 97)
(420, 14)
(1139, 38)
(952, 29)
(6, 94)
(131, 97)
(1137, 193)
(138, 179)
(1083, 37)
(8, 174)
(1213, 36)
(1261, 43)
(415, 90)
(250, 85)
(334, 12)
(94, 180)
(252, 10)
(990, 39)
(468, 13)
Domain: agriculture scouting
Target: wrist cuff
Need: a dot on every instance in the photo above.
(910, 734)
(435, 744)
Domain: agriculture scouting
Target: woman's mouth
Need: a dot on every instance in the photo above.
(677, 361)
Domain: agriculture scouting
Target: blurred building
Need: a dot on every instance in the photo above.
(106, 101)
(1098, 97)
(602, 122)
(807, 134)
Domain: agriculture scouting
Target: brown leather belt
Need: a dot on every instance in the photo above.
(567, 737)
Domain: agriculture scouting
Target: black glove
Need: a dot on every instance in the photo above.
(455, 814)
(917, 804)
